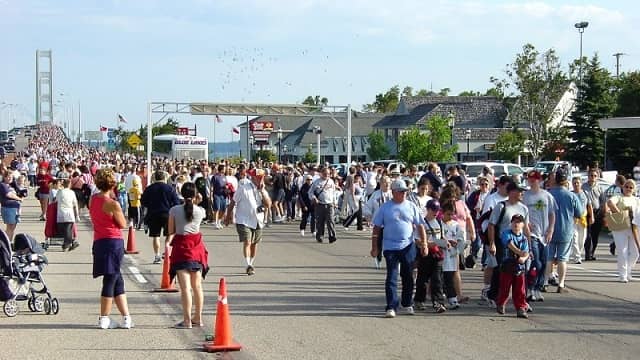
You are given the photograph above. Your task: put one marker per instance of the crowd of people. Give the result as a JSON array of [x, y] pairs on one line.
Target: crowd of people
[[426, 225]]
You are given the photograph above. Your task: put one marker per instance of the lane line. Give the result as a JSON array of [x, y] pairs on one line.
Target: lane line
[[137, 275], [131, 259], [593, 271]]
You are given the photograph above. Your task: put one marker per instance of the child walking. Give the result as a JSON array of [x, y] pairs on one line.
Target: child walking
[[453, 235], [513, 267]]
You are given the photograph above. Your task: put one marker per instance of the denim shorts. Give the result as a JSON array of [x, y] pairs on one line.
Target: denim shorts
[[559, 251], [219, 203], [10, 215]]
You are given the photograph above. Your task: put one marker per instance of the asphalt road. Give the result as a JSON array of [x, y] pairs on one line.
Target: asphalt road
[[316, 301]]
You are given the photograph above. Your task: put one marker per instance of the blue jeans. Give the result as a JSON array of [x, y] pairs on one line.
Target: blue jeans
[[539, 261], [476, 245], [405, 258]]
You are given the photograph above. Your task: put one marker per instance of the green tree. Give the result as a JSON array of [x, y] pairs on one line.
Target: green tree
[[623, 151], [470, 93], [539, 83], [264, 155], [595, 101], [315, 101], [377, 149], [407, 91], [509, 145], [444, 91], [309, 157], [384, 103], [425, 92], [430, 144]]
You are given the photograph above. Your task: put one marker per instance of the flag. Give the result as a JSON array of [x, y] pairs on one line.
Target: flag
[[218, 120], [103, 128], [122, 119], [236, 130]]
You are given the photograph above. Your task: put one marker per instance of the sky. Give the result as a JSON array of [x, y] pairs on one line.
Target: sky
[[113, 56]]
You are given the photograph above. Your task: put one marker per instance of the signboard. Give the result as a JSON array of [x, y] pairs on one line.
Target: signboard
[[490, 147], [90, 135], [182, 131], [261, 137], [261, 126], [111, 133], [134, 140]]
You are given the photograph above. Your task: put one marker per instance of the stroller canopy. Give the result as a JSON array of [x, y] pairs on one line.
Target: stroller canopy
[[26, 241]]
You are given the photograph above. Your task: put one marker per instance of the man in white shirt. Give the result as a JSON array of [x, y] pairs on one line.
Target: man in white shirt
[[322, 195], [250, 201]]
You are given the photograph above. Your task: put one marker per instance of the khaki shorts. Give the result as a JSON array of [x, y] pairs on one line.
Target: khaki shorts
[[248, 234]]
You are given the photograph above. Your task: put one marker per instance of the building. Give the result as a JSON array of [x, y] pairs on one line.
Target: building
[[291, 137]]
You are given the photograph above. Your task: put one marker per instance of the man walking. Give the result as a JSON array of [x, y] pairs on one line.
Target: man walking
[[322, 195], [400, 218], [594, 225], [158, 198], [250, 202]]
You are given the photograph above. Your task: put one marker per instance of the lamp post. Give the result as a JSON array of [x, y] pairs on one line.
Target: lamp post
[[581, 26], [284, 149], [279, 145], [318, 131], [250, 147], [468, 136], [452, 124]]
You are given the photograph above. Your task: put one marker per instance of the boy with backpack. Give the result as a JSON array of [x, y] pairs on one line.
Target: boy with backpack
[[430, 266], [512, 267]]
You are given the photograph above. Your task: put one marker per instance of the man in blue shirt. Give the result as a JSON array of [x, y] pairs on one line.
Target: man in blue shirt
[[399, 218], [568, 209]]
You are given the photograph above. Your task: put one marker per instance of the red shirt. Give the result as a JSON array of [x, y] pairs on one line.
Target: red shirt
[[189, 247], [43, 182], [104, 226]]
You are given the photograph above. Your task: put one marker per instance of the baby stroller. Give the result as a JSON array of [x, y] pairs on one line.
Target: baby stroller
[[23, 269], [51, 234]]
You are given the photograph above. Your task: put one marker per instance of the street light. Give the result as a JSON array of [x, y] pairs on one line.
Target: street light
[[279, 142], [468, 136], [284, 149], [581, 26], [318, 131], [250, 147]]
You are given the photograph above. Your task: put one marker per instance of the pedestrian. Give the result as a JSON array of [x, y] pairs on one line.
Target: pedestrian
[[134, 212], [611, 191], [158, 198], [594, 225], [67, 215], [568, 209], [372, 205], [355, 196], [43, 179], [626, 207], [322, 195], [219, 195], [304, 202], [580, 226], [542, 218], [250, 203], [453, 235], [399, 218], [10, 204], [516, 252], [108, 250], [189, 256]]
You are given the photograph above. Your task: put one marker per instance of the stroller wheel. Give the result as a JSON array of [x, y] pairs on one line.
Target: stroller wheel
[[47, 306], [55, 306], [38, 303], [11, 308]]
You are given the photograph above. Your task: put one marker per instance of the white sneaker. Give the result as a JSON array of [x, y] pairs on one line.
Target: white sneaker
[[407, 310], [127, 322], [105, 322], [302, 233], [539, 295], [533, 296], [157, 259], [390, 313]]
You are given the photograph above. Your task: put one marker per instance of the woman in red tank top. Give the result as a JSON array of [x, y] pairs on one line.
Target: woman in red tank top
[[108, 250]]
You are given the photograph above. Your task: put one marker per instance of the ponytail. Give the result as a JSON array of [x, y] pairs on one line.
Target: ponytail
[[188, 209], [188, 192]]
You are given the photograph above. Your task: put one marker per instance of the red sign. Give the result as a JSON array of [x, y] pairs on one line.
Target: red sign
[[182, 131], [261, 126]]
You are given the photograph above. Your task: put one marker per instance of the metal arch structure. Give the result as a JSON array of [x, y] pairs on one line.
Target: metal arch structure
[[242, 109], [632, 122]]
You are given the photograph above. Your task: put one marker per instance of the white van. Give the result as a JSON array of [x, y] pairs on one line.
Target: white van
[[474, 169]]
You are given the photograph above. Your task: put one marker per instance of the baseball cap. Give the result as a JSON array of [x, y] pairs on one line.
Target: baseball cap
[[433, 205], [399, 185], [534, 175], [513, 186], [561, 176], [517, 218], [505, 179]]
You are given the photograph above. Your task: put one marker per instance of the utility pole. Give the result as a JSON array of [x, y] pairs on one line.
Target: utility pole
[[618, 55]]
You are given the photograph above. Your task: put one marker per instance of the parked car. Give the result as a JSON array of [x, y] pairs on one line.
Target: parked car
[[390, 164], [474, 169], [551, 167]]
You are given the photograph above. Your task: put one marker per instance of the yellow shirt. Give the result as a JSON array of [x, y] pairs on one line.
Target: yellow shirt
[[134, 196]]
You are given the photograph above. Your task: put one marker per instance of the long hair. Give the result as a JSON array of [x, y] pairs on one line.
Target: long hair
[[188, 192]]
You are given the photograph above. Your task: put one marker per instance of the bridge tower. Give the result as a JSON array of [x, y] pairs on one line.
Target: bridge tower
[[44, 86]]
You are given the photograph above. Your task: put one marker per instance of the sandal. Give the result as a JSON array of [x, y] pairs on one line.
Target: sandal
[[182, 325]]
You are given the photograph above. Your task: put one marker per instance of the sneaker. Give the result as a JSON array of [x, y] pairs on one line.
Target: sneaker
[[522, 313], [74, 245], [454, 305], [250, 270], [302, 233], [157, 259], [420, 305], [491, 303], [346, 228], [562, 290], [390, 313], [500, 309], [439, 308], [623, 280], [407, 310], [578, 262], [127, 322], [483, 295], [553, 281], [532, 296], [105, 322], [529, 308], [544, 288], [332, 240], [539, 295]]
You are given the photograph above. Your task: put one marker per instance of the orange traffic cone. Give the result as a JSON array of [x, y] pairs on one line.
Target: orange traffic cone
[[131, 242], [166, 285], [223, 339]]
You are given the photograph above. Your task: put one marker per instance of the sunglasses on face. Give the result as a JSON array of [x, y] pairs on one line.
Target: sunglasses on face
[[629, 187]]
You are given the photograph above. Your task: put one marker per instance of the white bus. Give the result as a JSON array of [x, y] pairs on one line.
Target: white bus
[[4, 136], [179, 147]]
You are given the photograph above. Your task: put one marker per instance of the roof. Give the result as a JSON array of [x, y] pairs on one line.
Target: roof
[[469, 111]]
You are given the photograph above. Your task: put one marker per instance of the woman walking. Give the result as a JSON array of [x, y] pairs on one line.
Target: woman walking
[[626, 239], [108, 249], [188, 255]]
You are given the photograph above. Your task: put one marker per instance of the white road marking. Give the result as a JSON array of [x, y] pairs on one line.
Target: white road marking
[[136, 274], [593, 271], [131, 259]]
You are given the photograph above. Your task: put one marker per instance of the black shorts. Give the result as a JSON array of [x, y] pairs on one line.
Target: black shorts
[[157, 223]]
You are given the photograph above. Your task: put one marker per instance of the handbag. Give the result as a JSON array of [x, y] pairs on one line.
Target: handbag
[[619, 221]]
